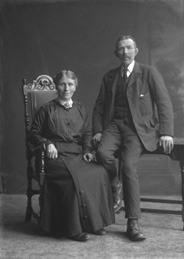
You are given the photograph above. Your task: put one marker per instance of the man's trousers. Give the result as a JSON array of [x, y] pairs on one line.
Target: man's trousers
[[123, 137]]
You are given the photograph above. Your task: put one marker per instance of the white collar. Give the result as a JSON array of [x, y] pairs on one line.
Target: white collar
[[63, 103], [129, 68]]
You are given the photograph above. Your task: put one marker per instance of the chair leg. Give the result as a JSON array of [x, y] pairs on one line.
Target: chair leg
[[28, 214], [29, 209], [29, 202]]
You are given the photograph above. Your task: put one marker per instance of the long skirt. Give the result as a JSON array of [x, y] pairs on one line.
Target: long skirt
[[76, 197]]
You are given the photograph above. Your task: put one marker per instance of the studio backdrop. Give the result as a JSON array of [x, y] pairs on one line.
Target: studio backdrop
[[45, 36]]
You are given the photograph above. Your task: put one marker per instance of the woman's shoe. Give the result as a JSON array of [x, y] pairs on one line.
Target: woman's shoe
[[82, 237], [100, 232]]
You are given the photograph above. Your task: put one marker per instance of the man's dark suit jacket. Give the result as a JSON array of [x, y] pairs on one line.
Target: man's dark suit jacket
[[148, 100]]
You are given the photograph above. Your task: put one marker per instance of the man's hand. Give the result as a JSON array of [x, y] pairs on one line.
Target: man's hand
[[88, 157], [52, 151], [167, 143], [96, 139]]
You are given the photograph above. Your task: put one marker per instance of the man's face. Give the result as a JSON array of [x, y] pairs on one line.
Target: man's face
[[66, 88], [126, 51]]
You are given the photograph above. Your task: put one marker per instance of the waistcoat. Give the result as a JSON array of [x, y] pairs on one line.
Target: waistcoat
[[122, 110]]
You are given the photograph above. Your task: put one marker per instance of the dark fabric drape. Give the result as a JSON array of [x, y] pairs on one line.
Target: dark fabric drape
[[43, 37]]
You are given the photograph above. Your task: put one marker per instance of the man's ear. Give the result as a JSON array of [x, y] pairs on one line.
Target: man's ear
[[136, 51]]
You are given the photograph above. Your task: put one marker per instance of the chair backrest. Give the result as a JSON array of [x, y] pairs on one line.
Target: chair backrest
[[41, 91]]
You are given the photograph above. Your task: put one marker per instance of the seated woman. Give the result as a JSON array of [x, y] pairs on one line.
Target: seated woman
[[77, 197]]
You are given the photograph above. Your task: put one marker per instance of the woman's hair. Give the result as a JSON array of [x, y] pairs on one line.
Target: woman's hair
[[69, 74], [125, 37]]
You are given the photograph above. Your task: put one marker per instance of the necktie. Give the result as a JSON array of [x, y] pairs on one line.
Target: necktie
[[125, 74]]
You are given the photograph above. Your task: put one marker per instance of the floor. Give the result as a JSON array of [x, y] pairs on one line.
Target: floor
[[21, 240]]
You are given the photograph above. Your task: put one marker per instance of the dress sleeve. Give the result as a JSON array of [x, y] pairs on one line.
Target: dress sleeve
[[37, 128]]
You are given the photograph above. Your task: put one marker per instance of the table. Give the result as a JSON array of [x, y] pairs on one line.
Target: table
[[178, 155]]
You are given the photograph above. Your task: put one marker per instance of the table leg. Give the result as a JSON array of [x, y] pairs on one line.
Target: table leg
[[182, 191], [181, 158]]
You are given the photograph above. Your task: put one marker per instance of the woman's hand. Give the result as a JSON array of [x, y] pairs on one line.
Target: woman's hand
[[88, 157], [52, 151]]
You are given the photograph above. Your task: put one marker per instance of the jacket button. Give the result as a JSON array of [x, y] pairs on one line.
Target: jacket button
[[81, 191]]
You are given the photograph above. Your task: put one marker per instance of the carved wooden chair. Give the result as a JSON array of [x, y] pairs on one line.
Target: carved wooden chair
[[35, 94]]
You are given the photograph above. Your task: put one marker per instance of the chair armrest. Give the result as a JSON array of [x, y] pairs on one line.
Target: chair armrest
[[33, 148]]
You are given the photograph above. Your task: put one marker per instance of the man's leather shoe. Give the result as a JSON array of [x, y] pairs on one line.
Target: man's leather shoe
[[100, 232], [82, 237], [117, 193], [133, 231]]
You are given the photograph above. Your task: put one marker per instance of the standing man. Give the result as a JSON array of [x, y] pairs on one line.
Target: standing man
[[125, 119]]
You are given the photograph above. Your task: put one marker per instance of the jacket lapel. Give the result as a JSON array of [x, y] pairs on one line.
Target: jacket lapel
[[113, 77], [135, 74], [112, 81]]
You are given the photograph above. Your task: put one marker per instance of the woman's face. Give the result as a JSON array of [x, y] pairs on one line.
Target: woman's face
[[66, 88]]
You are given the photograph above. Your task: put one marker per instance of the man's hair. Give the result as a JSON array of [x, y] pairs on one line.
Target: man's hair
[[69, 74], [125, 37]]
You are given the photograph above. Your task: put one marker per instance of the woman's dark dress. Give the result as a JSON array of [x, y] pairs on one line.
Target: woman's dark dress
[[77, 195]]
